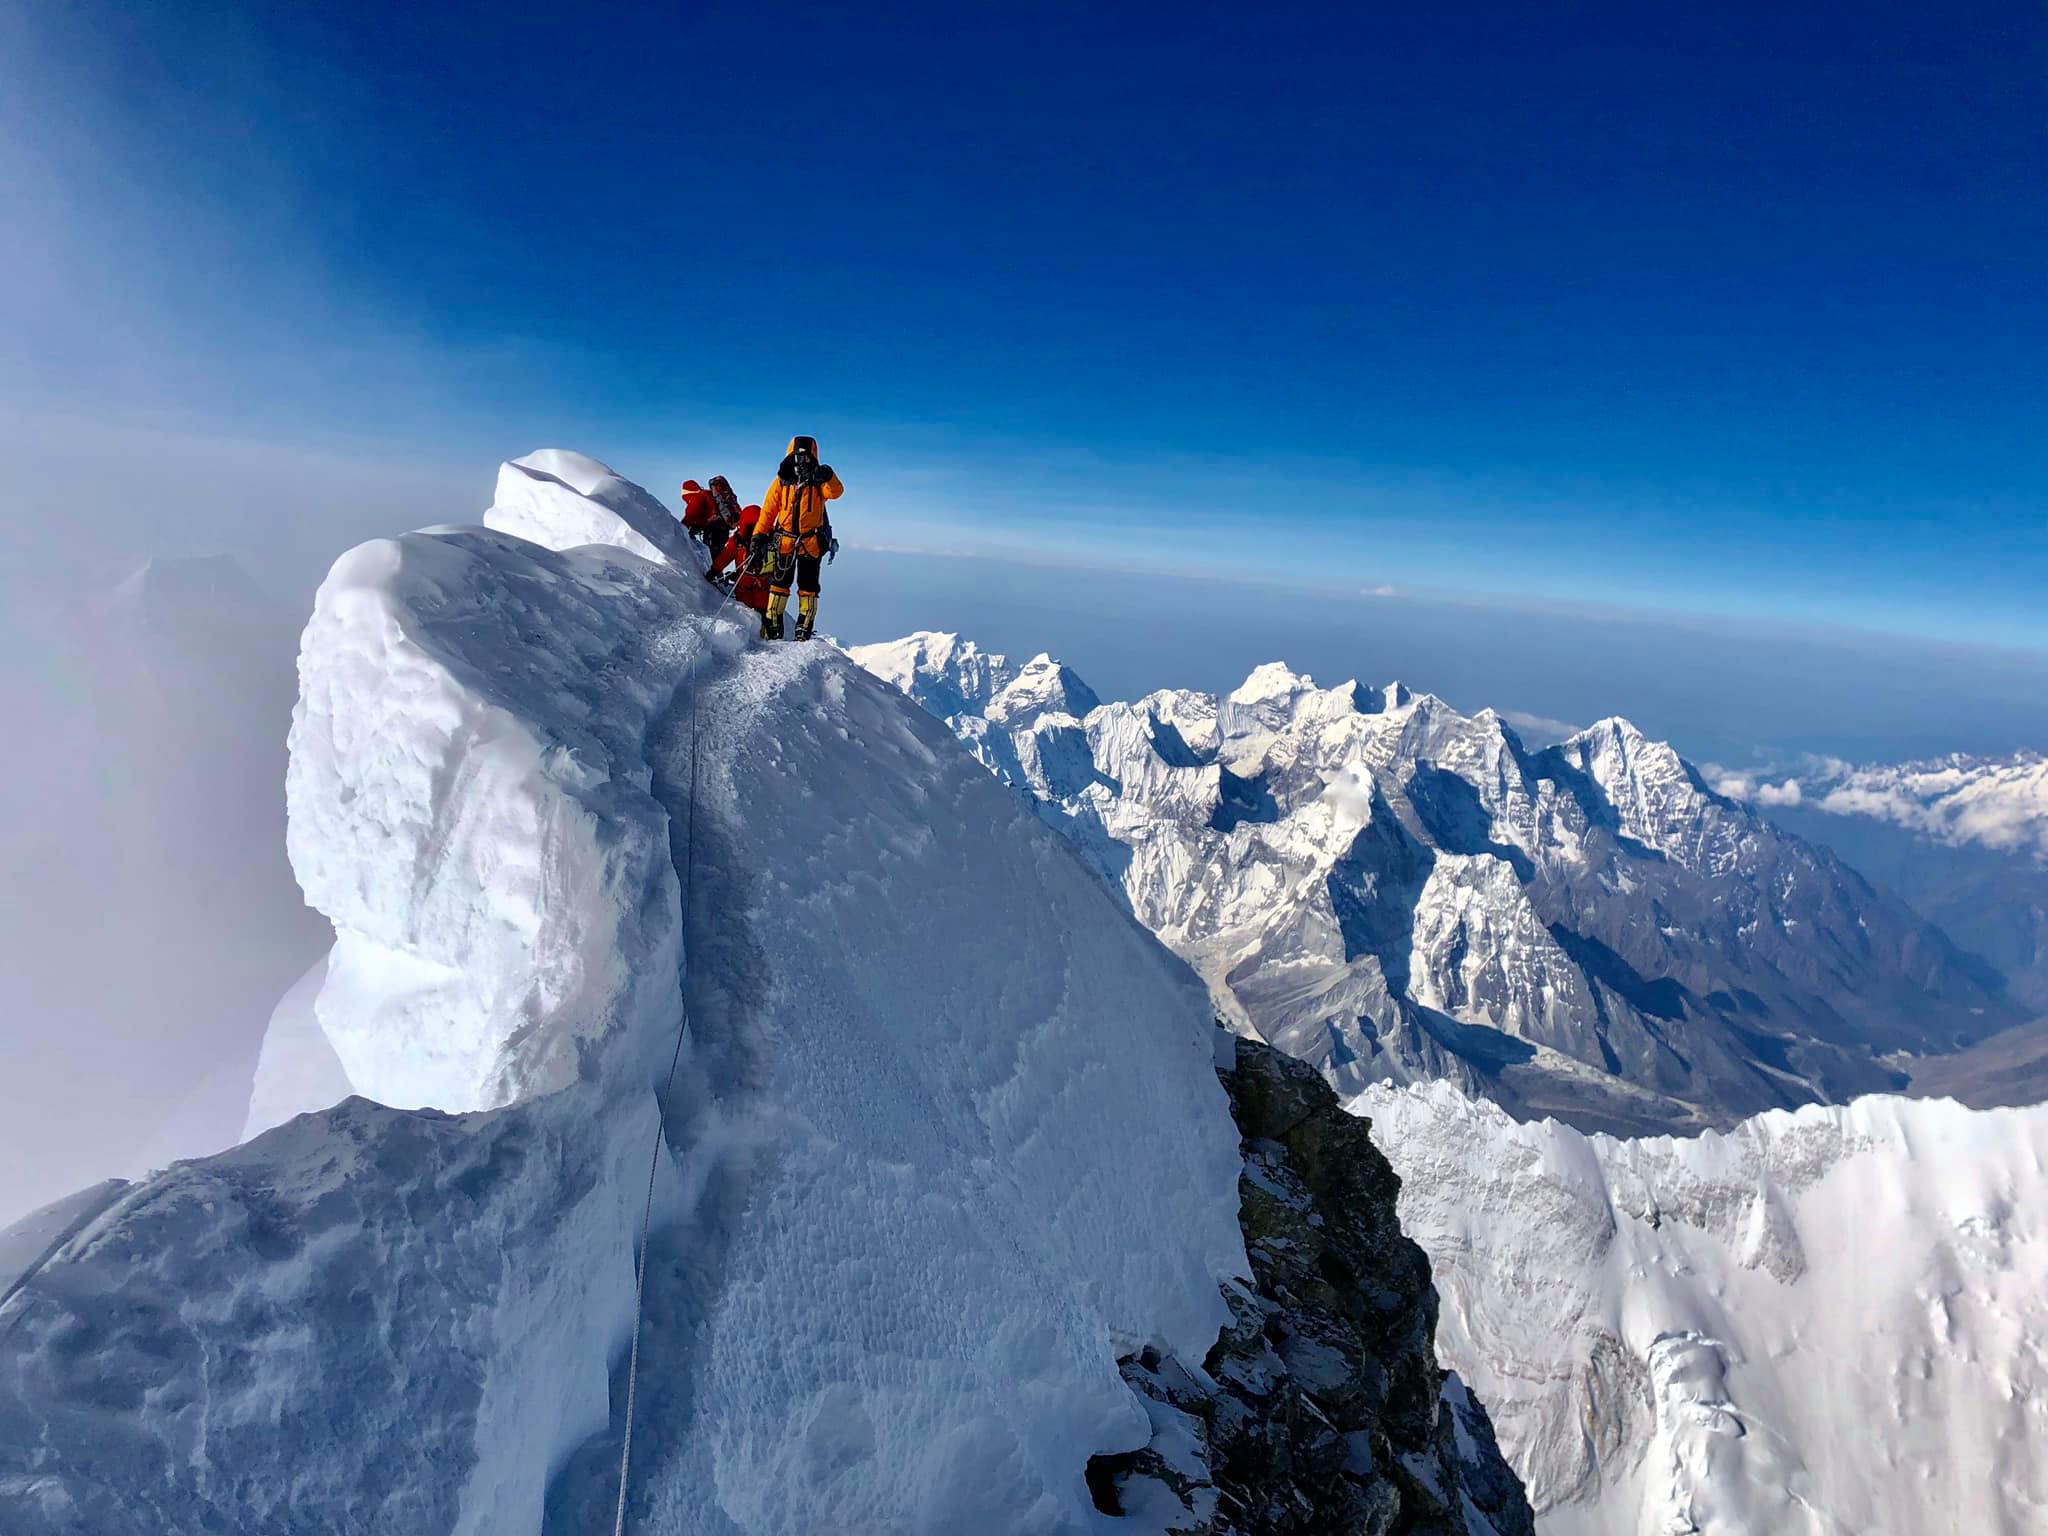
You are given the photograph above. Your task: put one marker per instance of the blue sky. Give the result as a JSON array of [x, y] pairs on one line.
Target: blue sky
[[1734, 311]]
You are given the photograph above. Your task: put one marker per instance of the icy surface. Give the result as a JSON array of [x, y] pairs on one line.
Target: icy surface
[[564, 501], [1390, 889], [946, 1139], [30, 1241], [1824, 1321], [297, 1069], [470, 805]]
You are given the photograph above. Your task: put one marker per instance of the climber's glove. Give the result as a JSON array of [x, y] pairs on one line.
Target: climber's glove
[[831, 551]]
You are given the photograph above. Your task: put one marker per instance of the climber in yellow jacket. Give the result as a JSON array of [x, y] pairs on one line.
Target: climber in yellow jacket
[[793, 538]]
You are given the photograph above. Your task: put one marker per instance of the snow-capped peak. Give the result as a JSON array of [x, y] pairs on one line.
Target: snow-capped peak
[[1501, 896], [948, 675], [1656, 796], [1272, 680], [1043, 686]]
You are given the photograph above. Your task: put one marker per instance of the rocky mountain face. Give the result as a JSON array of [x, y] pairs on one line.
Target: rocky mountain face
[[1321, 1408], [1394, 891], [1962, 839], [1991, 901]]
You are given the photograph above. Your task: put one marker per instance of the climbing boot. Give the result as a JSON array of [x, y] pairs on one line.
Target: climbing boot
[[771, 626], [806, 614]]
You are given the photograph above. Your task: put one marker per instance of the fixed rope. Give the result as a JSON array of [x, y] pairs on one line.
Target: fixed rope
[[675, 1058]]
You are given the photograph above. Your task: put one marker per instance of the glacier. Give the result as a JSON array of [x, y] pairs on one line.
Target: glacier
[[1396, 891], [1827, 1320], [946, 1142]]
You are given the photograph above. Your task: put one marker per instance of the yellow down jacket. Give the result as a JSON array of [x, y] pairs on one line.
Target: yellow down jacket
[[795, 512]]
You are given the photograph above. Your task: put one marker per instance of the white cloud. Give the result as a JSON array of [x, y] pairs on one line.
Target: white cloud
[[1787, 793], [1999, 803], [1384, 589], [1748, 788], [1539, 728]]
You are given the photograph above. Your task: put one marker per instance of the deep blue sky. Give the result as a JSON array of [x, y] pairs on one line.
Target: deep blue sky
[[1737, 310]]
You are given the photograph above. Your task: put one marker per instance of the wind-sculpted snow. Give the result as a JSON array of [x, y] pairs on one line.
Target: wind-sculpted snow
[[945, 1143], [1392, 890], [565, 501], [1823, 1321], [471, 805]]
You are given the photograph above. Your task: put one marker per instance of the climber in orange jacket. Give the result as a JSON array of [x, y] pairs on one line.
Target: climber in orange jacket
[[793, 539]]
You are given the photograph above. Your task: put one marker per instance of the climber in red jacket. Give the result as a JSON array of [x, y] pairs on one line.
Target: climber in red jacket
[[701, 518], [751, 588]]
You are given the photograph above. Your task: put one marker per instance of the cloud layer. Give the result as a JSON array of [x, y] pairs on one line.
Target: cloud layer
[[1999, 803]]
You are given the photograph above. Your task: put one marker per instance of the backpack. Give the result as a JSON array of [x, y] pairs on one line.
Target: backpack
[[727, 503]]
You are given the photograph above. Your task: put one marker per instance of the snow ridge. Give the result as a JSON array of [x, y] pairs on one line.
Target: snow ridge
[[920, 1190], [1393, 890]]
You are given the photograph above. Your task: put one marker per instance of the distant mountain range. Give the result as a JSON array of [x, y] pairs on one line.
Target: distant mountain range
[[1963, 839], [1999, 803], [1395, 891]]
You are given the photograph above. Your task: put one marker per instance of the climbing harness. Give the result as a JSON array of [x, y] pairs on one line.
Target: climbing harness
[[661, 1104]]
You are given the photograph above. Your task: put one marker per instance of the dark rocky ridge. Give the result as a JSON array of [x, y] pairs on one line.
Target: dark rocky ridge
[[1321, 1408]]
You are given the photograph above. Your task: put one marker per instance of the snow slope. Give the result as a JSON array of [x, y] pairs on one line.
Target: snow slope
[[946, 1139], [1828, 1321], [1390, 889]]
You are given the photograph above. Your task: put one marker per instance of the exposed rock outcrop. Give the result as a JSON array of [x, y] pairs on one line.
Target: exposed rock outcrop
[[1321, 1407]]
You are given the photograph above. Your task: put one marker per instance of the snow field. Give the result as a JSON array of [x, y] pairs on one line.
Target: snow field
[[1823, 1321]]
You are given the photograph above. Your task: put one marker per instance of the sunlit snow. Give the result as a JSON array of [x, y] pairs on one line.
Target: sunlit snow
[[946, 1139]]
